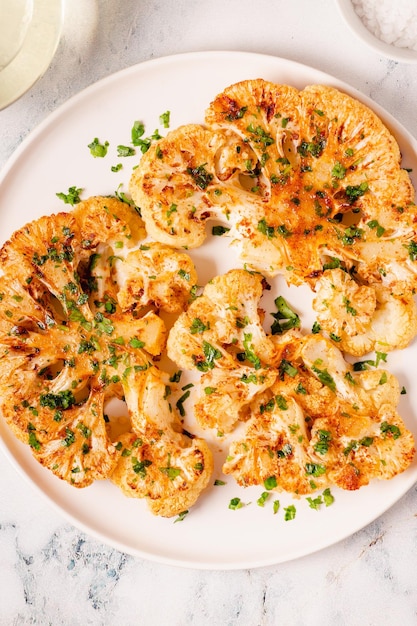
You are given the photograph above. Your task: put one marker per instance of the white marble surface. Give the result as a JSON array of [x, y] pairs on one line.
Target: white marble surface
[[50, 572]]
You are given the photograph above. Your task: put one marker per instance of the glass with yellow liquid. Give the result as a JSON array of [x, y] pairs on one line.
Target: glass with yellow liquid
[[29, 35]]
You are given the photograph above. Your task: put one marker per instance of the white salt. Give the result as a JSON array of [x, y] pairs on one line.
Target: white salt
[[392, 21]]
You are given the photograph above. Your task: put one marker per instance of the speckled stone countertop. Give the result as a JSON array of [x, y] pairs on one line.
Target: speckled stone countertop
[[51, 572]]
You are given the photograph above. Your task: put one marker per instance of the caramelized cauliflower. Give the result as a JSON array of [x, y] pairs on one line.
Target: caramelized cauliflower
[[60, 348], [155, 275], [67, 347], [223, 328], [157, 460], [322, 424], [362, 318], [293, 173], [226, 395]]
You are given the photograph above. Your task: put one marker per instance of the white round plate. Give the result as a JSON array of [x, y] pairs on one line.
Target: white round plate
[[55, 157]]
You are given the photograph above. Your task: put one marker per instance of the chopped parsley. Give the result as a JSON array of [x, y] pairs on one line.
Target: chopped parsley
[[285, 318], [316, 328], [249, 351], [176, 377], [69, 437], [136, 343], [164, 119], [211, 355], [390, 429], [171, 472], [181, 516], [349, 309], [263, 498], [198, 326], [325, 498], [138, 129], [180, 402], [332, 264], [98, 149], [200, 176], [125, 151], [324, 439], [328, 498], [235, 503], [315, 469], [270, 483], [183, 274], [312, 148], [338, 171], [290, 512], [285, 367], [72, 197], [353, 192], [32, 439], [412, 250], [60, 400], [137, 132], [259, 135], [234, 113], [314, 503], [350, 234], [265, 229], [139, 467], [218, 231], [374, 224], [324, 377]]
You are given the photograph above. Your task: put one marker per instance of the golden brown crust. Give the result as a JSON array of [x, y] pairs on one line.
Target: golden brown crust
[[297, 175], [156, 460], [67, 347], [323, 424]]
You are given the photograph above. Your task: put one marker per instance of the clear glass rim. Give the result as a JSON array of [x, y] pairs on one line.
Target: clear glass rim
[[36, 53]]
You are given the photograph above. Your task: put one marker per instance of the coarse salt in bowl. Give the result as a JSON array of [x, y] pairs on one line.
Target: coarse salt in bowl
[[387, 26]]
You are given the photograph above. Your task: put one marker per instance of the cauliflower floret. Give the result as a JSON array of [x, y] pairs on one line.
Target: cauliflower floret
[[172, 182], [227, 395], [79, 451], [48, 249], [157, 461], [155, 275], [362, 318], [392, 262], [356, 447], [274, 450], [320, 424], [105, 218], [364, 438], [222, 328]]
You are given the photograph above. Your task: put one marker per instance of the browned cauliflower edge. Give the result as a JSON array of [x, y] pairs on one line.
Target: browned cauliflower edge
[[72, 339]]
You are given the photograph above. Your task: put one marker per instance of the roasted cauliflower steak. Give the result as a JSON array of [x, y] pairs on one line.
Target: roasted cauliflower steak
[[77, 331]]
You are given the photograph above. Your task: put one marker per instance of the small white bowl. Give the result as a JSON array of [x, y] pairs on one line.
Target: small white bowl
[[352, 19]]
